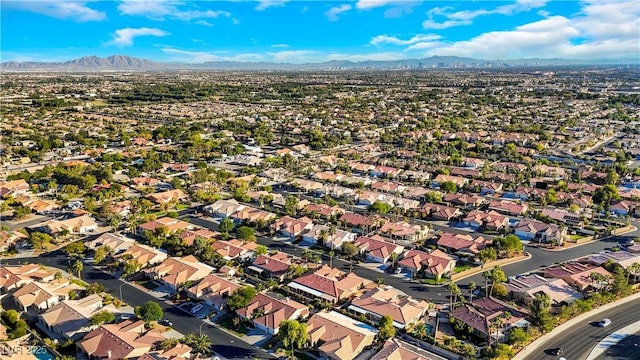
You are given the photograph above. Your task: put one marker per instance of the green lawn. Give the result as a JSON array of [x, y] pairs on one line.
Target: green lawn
[[147, 284], [182, 207], [433, 281], [227, 322], [461, 268], [575, 237]]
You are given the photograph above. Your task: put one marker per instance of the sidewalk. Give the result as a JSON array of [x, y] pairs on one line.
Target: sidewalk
[[535, 345]]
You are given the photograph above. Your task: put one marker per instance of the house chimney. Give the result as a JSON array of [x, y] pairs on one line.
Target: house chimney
[[108, 354], [266, 261], [287, 299]]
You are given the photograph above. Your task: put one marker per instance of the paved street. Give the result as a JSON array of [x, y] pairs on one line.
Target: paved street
[[577, 341], [224, 344]]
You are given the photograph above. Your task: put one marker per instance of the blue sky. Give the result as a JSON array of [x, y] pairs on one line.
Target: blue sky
[[310, 31]]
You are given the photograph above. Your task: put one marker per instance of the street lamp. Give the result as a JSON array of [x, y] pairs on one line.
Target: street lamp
[[200, 327]]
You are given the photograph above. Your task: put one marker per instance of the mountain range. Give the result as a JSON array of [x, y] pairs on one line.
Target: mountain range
[[129, 63]]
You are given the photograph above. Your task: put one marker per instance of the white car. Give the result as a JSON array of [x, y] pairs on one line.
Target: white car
[[604, 322]]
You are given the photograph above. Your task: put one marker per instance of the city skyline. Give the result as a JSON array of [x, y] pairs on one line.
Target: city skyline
[[316, 31]]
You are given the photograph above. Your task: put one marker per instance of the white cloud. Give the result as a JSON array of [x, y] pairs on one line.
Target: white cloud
[[466, 17], [159, 9], [599, 31], [125, 37], [334, 13], [280, 45], [74, 10], [265, 4], [195, 57], [204, 23], [370, 4], [386, 39]]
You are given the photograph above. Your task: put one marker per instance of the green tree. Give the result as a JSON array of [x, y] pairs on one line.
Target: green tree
[[241, 297], [149, 311], [101, 253], [496, 276], [102, 317], [379, 207], [350, 249], [261, 250], [20, 211], [510, 244], [293, 334], [75, 248], [40, 240], [620, 284], [226, 225], [540, 312], [486, 255], [76, 268], [518, 336], [449, 187], [472, 288], [386, 328], [291, 205], [455, 292], [246, 233]]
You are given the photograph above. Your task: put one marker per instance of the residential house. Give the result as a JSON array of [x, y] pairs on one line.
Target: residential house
[[435, 264], [306, 186], [234, 249], [367, 197], [484, 314], [528, 229], [125, 340], [625, 207], [145, 181], [42, 296], [360, 223], [189, 236], [213, 290], [404, 231], [71, 319], [563, 216], [177, 352], [508, 207], [116, 243], [37, 205], [144, 255], [486, 187], [525, 288], [463, 244], [14, 187], [377, 250], [175, 271], [338, 337], [473, 163], [171, 225], [328, 176], [622, 258], [323, 211], [394, 349], [577, 274], [440, 178], [274, 266], [384, 171], [223, 208], [378, 302], [11, 238], [251, 215], [329, 284], [403, 203], [13, 277], [465, 201], [387, 187], [488, 220], [440, 212], [292, 227], [167, 196], [75, 225], [267, 311]]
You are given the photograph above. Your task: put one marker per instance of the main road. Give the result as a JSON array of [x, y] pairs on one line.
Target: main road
[[224, 343], [578, 341]]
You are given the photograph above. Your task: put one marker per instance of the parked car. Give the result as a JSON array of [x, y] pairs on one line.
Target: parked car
[[558, 351], [604, 322], [165, 322]]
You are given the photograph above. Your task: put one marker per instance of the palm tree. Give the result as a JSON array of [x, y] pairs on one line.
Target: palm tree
[[634, 269], [455, 292], [76, 267], [472, 288], [200, 344]]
